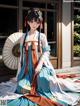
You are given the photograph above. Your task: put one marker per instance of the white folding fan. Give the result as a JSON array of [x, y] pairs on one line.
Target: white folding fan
[[10, 50]]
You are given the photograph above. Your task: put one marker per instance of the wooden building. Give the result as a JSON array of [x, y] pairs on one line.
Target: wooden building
[[58, 25]]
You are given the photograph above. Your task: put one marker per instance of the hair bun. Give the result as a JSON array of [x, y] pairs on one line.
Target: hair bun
[[37, 12]]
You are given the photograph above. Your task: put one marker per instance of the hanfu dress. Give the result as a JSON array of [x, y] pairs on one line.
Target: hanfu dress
[[27, 75], [44, 88]]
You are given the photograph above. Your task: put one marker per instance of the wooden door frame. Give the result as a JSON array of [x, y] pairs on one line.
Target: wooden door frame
[[59, 34]]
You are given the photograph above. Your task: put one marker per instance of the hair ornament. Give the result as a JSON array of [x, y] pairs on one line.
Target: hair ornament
[[39, 13], [25, 21]]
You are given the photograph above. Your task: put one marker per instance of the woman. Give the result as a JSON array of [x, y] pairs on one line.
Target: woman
[[33, 72], [36, 79]]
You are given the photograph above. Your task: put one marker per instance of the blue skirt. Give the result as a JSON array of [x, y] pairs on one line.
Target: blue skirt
[[42, 89]]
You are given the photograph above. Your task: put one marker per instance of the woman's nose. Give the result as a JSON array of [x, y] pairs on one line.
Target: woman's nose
[[34, 23]]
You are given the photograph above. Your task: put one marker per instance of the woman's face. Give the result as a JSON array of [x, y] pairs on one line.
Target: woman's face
[[33, 25]]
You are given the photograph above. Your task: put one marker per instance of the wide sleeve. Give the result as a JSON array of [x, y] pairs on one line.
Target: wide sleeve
[[45, 51], [45, 47]]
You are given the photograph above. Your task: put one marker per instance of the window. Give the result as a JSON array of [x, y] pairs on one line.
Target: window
[[9, 2], [76, 35], [33, 4], [51, 32], [8, 24]]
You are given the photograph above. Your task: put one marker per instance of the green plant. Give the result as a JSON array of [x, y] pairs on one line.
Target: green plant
[[76, 50], [77, 28], [77, 19], [76, 38], [76, 35]]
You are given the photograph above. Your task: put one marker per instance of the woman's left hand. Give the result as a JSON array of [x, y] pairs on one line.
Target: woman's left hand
[[37, 70], [39, 66]]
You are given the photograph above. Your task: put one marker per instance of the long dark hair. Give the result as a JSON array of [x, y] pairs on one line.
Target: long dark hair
[[32, 14]]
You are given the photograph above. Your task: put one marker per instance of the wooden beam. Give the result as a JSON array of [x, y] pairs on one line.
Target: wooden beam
[[8, 6]]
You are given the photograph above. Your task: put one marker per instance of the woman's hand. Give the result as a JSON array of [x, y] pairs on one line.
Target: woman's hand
[[37, 70], [39, 66]]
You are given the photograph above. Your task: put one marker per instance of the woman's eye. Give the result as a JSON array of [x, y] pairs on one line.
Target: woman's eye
[[31, 21]]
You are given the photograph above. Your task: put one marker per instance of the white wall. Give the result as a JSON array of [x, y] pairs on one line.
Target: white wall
[[66, 35]]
